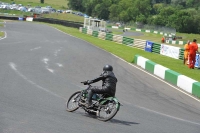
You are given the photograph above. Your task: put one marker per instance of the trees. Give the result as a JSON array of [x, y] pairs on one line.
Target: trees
[[41, 1], [170, 13]]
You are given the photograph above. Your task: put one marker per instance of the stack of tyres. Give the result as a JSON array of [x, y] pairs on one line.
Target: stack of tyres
[[181, 54], [84, 30], [109, 37], [156, 48], [95, 33], [127, 41]]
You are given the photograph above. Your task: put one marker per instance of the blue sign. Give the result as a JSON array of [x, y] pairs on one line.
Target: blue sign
[[21, 18], [197, 62], [148, 46]]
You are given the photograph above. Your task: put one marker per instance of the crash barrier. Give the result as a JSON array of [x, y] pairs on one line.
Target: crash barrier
[[60, 22], [95, 33], [9, 17], [128, 41], [187, 84], [163, 49], [47, 20], [84, 30], [102, 35], [89, 32], [138, 43], [109, 37], [118, 39], [181, 55], [156, 48]]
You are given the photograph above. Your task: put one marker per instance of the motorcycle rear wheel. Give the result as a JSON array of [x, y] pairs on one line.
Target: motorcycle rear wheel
[[107, 111], [72, 103]]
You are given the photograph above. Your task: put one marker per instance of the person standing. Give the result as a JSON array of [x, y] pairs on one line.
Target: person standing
[[193, 48], [186, 53], [163, 39]]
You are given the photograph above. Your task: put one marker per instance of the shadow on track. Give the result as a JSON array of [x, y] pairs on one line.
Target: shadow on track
[[127, 123]]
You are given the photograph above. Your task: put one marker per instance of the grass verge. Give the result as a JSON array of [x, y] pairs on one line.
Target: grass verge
[[1, 34]]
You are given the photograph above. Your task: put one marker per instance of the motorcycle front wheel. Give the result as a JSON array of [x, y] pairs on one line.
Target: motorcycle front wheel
[[107, 111], [72, 103]]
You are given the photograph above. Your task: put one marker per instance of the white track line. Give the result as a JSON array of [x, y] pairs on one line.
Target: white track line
[[14, 67], [4, 36]]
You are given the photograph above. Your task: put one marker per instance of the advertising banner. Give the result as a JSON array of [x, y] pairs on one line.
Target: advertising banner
[[197, 63], [170, 51], [148, 46], [29, 19], [21, 18]]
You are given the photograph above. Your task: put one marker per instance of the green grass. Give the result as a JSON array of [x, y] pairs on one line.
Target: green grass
[[1, 34], [128, 53], [1, 25], [57, 4]]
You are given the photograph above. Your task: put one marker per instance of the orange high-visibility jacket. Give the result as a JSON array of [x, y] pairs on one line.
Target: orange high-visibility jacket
[[186, 52], [193, 47]]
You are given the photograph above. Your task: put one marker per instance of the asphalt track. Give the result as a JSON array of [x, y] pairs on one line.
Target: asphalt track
[[41, 67]]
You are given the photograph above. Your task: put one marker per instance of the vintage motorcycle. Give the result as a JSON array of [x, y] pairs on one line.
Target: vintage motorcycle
[[104, 106]]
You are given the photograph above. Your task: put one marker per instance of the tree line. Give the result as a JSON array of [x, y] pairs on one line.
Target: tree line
[[183, 15]]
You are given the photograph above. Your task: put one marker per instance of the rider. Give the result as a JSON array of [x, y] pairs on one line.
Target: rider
[[109, 82]]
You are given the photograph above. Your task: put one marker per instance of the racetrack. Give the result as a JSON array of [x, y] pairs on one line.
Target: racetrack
[[41, 67]]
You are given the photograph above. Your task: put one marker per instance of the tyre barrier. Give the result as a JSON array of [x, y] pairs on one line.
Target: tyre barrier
[[137, 43], [156, 48], [84, 30], [102, 35], [95, 33], [118, 39], [89, 32], [128, 41], [109, 37], [181, 55]]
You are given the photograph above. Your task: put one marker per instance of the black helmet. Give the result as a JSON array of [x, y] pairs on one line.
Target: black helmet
[[107, 68]]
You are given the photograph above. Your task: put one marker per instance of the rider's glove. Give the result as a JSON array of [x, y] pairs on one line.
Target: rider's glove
[[85, 83]]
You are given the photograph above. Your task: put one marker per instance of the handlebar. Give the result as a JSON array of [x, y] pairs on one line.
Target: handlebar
[[85, 82]]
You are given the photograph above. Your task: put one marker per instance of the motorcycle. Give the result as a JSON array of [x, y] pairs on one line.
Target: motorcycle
[[105, 107]]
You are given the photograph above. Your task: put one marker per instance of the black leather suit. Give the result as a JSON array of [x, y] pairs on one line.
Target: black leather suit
[[109, 82]]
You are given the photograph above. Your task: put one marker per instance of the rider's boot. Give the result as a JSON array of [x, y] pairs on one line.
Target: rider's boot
[[87, 104]]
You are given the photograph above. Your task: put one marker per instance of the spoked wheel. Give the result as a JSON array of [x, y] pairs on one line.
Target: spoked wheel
[[72, 103], [108, 111]]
